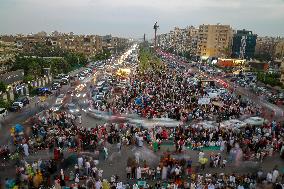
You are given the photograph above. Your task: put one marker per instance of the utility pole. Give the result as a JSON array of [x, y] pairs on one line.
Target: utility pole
[[155, 28]]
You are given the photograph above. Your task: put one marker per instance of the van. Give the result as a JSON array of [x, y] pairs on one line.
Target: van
[[3, 113]]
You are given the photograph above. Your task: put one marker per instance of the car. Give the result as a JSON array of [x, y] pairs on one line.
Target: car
[[81, 78], [14, 108], [60, 99], [64, 81], [56, 107], [66, 76], [20, 104], [25, 100], [73, 108], [99, 96], [57, 84], [3, 113], [43, 91], [54, 87]]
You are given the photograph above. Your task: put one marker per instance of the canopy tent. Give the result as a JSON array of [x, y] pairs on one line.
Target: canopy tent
[[218, 103]]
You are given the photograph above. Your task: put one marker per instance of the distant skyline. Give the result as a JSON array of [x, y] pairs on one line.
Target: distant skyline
[[133, 18]]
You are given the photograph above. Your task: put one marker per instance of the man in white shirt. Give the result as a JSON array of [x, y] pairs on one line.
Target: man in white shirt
[[87, 166], [80, 162], [200, 155], [275, 175], [177, 171], [269, 177]]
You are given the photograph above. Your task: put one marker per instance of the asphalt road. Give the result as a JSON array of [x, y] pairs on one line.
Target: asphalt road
[[26, 112]]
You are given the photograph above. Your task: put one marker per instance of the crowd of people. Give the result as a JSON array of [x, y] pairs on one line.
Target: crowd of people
[[175, 93], [61, 132], [165, 93]]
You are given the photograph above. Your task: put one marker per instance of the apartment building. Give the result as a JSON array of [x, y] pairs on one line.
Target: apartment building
[[180, 39], [282, 71], [214, 40], [279, 49], [244, 43], [266, 45]]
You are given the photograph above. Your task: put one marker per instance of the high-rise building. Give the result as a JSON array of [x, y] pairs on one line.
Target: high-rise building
[[180, 40], [265, 46], [244, 43], [214, 40], [279, 49], [282, 72]]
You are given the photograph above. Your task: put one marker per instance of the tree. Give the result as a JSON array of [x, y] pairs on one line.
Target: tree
[[3, 87]]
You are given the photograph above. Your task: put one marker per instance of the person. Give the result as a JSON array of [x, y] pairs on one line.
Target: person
[[98, 184], [88, 167], [135, 186], [26, 149], [106, 152], [269, 177], [275, 175], [158, 172], [128, 172], [137, 157], [80, 118], [138, 173], [164, 173], [80, 162], [77, 180], [119, 146], [200, 155]]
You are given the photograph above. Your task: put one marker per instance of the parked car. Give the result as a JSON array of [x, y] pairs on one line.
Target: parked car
[[54, 87], [64, 81], [60, 99], [16, 106], [25, 100], [3, 113], [56, 107], [43, 91]]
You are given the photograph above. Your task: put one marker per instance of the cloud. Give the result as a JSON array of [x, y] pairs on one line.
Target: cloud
[[135, 17]]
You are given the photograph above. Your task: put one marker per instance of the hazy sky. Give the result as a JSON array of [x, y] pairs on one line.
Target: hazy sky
[[133, 18]]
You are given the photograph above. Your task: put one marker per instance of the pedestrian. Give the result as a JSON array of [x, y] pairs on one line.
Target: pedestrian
[[118, 145], [80, 119], [128, 172], [26, 149]]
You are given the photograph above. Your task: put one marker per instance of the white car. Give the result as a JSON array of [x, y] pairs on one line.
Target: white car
[[59, 99], [20, 104], [3, 113], [56, 107], [81, 78]]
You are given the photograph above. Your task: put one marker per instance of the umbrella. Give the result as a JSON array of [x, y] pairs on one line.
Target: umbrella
[[19, 128], [203, 160], [138, 101]]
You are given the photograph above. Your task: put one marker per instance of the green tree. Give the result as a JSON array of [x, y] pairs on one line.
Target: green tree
[[3, 87]]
